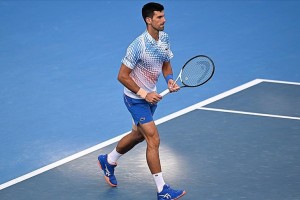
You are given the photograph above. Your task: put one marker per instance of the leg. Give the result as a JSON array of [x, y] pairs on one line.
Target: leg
[[150, 133], [108, 162], [129, 141], [151, 136]]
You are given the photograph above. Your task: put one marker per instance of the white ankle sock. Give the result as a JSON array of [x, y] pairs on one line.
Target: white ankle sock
[[113, 156], [159, 180]]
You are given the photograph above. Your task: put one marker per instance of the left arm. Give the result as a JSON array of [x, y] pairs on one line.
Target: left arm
[[167, 70]]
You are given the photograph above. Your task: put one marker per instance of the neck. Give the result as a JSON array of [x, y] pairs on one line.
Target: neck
[[153, 32]]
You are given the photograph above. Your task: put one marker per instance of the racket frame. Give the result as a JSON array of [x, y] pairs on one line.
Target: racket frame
[[167, 91]]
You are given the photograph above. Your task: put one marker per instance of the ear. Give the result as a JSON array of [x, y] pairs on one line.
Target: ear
[[148, 20]]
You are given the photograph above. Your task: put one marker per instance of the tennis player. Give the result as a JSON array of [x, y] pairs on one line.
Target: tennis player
[[146, 58]]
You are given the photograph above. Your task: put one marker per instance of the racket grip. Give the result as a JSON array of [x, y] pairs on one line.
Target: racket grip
[[167, 91]]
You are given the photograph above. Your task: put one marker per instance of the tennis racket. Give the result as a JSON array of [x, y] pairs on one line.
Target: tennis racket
[[195, 72]]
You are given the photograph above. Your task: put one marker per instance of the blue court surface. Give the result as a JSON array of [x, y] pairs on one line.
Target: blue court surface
[[235, 145], [236, 137]]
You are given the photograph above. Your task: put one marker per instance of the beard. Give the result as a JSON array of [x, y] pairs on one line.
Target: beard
[[159, 28]]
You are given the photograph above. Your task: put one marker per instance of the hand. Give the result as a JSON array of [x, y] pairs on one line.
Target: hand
[[172, 85], [153, 97]]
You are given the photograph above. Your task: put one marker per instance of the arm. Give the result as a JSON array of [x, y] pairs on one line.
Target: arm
[[126, 80], [129, 83], [167, 70]]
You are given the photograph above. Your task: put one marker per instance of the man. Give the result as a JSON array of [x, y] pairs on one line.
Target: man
[[146, 58]]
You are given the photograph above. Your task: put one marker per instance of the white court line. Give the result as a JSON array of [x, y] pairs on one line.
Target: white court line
[[240, 88], [113, 140], [116, 139], [61, 162], [250, 113], [282, 82], [208, 101]]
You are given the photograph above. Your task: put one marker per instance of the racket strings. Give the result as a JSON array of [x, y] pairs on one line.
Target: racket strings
[[197, 71]]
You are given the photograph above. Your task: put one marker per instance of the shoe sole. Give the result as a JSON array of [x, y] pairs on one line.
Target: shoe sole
[[106, 178], [183, 193]]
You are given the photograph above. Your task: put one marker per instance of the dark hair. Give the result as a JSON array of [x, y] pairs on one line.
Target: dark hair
[[149, 8]]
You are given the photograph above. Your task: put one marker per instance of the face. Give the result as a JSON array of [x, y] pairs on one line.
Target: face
[[158, 20]]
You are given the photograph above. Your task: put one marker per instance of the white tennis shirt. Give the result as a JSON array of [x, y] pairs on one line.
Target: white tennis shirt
[[145, 56]]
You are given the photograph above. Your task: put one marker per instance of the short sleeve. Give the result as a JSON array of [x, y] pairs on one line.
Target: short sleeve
[[169, 54], [132, 55]]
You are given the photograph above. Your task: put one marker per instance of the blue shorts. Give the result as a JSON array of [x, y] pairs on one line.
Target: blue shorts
[[141, 111]]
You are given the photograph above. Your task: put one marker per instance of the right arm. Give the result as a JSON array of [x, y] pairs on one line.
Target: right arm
[[127, 81]]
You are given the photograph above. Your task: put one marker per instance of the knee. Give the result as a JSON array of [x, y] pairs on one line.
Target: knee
[[154, 141]]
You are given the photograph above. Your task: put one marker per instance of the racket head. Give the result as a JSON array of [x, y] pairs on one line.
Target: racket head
[[197, 71]]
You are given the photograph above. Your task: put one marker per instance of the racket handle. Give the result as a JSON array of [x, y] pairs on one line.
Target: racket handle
[[167, 91]]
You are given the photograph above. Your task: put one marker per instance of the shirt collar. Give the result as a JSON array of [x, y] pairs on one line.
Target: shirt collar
[[151, 39]]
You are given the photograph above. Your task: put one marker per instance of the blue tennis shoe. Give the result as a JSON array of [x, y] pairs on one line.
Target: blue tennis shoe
[[108, 170], [169, 193]]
